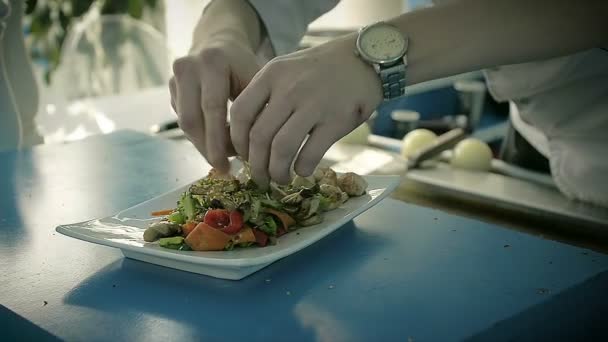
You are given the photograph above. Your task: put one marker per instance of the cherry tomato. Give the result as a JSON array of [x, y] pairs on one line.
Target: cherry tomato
[[260, 237], [229, 222]]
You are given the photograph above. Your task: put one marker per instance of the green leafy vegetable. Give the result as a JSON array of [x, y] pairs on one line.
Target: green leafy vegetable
[[177, 217], [269, 227], [324, 202], [271, 203], [229, 246], [174, 242], [187, 206], [255, 209]]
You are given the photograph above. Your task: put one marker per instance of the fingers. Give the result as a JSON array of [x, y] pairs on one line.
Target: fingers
[[215, 90], [320, 140], [243, 113], [188, 102], [286, 144], [261, 137]]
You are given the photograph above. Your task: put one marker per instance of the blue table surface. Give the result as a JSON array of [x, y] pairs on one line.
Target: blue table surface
[[398, 272]]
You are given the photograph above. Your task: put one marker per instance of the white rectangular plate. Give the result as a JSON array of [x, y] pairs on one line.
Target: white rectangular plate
[[125, 231]]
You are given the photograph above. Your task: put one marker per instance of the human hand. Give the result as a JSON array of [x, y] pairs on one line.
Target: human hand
[[325, 91], [202, 83]]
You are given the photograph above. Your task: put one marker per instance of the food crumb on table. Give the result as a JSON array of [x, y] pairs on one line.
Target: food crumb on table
[[288, 293], [268, 280], [331, 287], [542, 291], [45, 303], [507, 246]]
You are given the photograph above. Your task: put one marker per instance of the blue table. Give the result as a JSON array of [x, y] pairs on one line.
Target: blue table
[[398, 272]]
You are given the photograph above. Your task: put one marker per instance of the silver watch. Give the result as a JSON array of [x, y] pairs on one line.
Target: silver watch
[[384, 47]]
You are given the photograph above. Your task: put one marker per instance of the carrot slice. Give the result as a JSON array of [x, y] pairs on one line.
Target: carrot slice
[[207, 238], [188, 227], [285, 219], [162, 212]]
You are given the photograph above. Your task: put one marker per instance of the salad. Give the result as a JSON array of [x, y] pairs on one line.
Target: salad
[[223, 212]]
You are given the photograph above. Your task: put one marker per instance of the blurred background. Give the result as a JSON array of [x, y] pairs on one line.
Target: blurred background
[[104, 65]]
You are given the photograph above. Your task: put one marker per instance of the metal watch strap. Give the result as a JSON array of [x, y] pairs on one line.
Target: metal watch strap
[[393, 80]]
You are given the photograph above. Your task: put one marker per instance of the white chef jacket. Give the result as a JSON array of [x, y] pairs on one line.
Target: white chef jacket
[[560, 105]]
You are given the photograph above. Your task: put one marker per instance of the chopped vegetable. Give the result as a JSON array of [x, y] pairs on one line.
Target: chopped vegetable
[[207, 238], [188, 206], [164, 212], [260, 237], [256, 206], [286, 220], [221, 212], [176, 217], [174, 242], [188, 227], [230, 222], [246, 235], [161, 230], [269, 227]]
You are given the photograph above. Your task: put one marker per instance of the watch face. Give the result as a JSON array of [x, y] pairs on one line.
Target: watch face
[[381, 43]]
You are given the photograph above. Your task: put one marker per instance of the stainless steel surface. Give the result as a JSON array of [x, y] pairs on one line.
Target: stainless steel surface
[[511, 193]]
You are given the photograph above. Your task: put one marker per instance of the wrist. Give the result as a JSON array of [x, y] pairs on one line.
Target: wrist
[[221, 37], [233, 21]]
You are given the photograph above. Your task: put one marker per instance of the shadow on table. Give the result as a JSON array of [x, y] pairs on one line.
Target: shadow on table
[[271, 294], [576, 314], [17, 328], [16, 167]]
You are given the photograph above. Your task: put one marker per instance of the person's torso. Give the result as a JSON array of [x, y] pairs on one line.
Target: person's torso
[[561, 106]]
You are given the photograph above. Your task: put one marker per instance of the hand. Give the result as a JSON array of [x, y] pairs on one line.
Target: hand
[[200, 89], [324, 92]]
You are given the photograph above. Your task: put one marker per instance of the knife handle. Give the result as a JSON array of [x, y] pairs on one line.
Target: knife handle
[[443, 142]]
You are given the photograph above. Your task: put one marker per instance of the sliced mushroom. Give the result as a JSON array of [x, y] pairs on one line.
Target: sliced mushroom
[[329, 177], [352, 184], [335, 196], [318, 174], [334, 193], [161, 230]]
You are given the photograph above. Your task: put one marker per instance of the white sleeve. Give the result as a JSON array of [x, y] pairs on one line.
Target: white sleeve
[[286, 21]]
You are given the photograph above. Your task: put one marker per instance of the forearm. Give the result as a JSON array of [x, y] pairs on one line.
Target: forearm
[[228, 19], [467, 35]]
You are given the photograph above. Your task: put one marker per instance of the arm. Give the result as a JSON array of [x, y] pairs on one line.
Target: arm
[[222, 61], [321, 94], [228, 19], [469, 35]]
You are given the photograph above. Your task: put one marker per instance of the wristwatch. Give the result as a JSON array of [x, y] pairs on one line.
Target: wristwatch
[[384, 47]]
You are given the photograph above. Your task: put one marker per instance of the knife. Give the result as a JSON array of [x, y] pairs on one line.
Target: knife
[[444, 142]]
